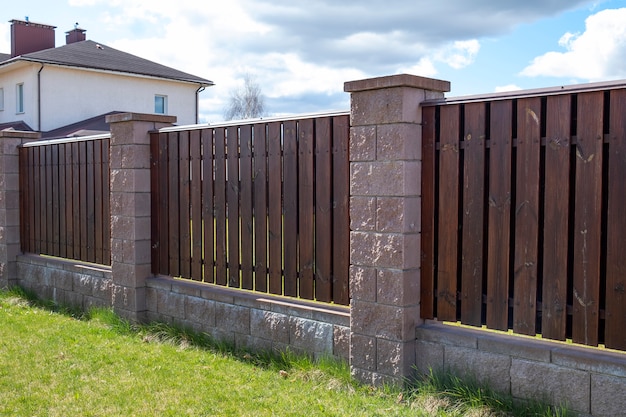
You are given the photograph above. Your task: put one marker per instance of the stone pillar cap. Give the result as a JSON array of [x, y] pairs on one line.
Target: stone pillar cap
[[140, 117], [399, 80]]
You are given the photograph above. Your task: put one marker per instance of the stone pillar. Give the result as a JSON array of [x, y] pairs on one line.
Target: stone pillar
[[130, 209], [385, 189], [10, 203]]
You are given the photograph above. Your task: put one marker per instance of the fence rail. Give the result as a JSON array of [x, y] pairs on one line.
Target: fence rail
[[64, 199], [523, 217], [260, 206]]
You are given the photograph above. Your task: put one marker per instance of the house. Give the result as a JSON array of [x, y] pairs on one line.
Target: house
[[68, 90]]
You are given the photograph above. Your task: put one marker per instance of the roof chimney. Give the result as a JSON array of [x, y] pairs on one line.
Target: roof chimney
[[75, 35], [27, 37]]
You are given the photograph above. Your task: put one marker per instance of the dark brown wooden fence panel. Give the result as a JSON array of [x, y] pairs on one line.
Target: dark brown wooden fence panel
[[157, 194], [323, 209], [427, 270], [587, 222], [64, 199], [341, 210], [306, 194], [247, 220], [556, 217], [473, 212], [616, 230], [274, 205], [290, 207], [499, 213], [448, 218], [260, 208]]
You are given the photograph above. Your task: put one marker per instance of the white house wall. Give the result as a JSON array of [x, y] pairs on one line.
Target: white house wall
[[70, 95]]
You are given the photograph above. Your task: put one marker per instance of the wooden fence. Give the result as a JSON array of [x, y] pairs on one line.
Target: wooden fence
[[64, 199], [260, 206], [524, 219]]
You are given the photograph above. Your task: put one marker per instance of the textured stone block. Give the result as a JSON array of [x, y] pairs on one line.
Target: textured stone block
[[401, 141], [252, 343], [198, 310], [592, 360], [363, 214], [363, 352], [363, 283], [386, 178], [398, 287], [135, 156], [390, 105], [311, 336], [395, 359], [398, 214], [130, 275], [269, 325], [488, 368], [171, 304], [608, 396], [128, 300], [383, 321], [131, 204], [363, 143], [130, 180], [553, 384], [232, 318], [341, 342], [385, 250], [428, 356]]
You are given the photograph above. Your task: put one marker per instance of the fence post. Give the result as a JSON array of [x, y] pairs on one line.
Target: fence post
[[130, 208], [385, 189], [9, 202]]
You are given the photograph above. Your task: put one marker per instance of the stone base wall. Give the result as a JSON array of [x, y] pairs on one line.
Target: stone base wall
[[588, 381], [251, 320], [66, 282]]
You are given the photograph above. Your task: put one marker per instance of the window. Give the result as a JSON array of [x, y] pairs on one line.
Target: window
[[1, 99], [160, 104], [19, 105]]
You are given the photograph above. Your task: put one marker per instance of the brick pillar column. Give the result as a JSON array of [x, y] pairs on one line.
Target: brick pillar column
[[130, 208], [385, 189], [9, 203]]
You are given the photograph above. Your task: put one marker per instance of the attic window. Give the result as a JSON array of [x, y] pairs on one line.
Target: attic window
[[160, 104]]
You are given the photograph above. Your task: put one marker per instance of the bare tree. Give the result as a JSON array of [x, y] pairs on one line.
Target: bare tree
[[246, 102]]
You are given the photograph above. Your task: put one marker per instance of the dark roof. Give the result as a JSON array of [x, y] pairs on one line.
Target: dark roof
[[89, 54], [91, 126], [18, 125]]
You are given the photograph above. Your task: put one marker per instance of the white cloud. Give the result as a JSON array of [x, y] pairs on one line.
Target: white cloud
[[459, 54], [508, 87], [599, 53]]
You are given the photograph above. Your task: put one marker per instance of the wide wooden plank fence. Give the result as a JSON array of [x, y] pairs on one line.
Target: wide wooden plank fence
[[523, 219], [65, 199], [260, 206]]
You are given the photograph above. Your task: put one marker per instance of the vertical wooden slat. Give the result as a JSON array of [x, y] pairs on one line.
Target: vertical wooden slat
[[32, 197], [427, 269], [76, 202], [556, 209], [54, 165], [448, 221], [473, 210], [48, 207], [173, 206], [247, 224], [184, 204], [275, 207], [527, 215], [260, 208], [290, 207], [41, 190], [615, 336], [232, 211], [306, 189], [323, 209], [208, 219], [69, 199], [106, 202], [163, 204], [98, 201], [90, 200], [84, 201], [196, 205], [221, 276], [341, 210], [587, 222], [499, 200], [62, 200], [155, 208], [24, 175]]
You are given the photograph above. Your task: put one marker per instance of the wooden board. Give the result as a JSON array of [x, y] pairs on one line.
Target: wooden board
[[184, 195], [615, 336], [260, 207], [195, 154], [306, 188], [323, 210], [208, 220], [448, 221], [290, 207], [247, 222], [526, 215], [174, 201], [556, 213], [427, 247], [341, 210], [274, 140], [163, 205], [219, 208], [587, 222], [499, 215], [473, 214]]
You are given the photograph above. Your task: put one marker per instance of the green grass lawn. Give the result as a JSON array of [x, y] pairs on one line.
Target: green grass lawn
[[95, 364]]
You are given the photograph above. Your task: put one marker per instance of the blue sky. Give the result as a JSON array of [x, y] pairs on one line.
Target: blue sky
[[302, 51]]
